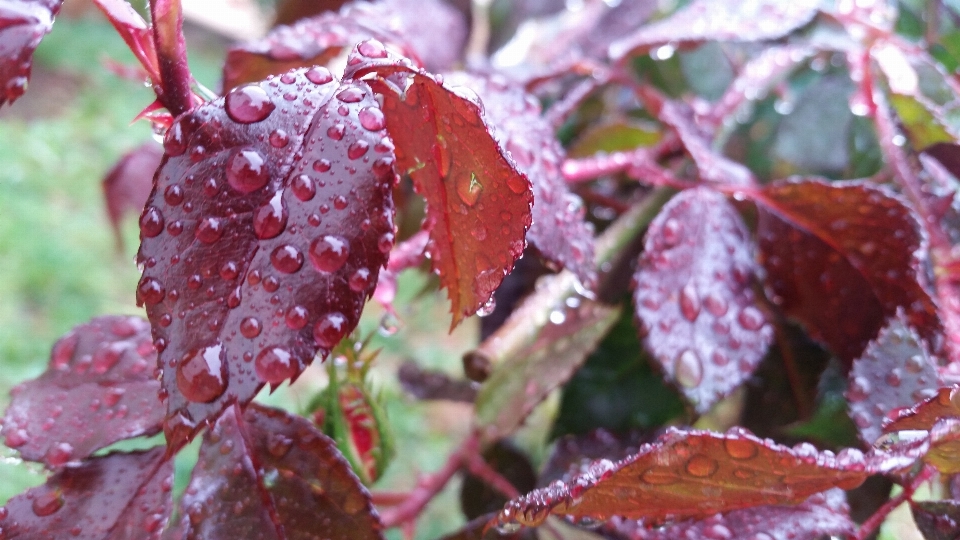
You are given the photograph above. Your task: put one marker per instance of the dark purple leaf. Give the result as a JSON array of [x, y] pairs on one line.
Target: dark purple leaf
[[694, 298], [111, 497], [712, 166], [128, 184], [693, 475], [823, 514], [894, 371], [99, 389], [937, 520], [842, 257], [268, 474], [559, 231], [719, 20], [23, 23], [263, 237]]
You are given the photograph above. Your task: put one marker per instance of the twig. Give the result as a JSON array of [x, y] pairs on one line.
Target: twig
[[173, 89], [482, 470], [560, 111], [874, 521]]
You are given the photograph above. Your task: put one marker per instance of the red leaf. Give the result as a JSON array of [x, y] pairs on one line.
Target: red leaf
[[263, 237], [712, 166], [98, 389], [937, 520], [135, 31], [478, 203], [923, 415], [268, 474], [719, 20], [842, 257], [559, 231], [128, 184], [895, 371], [694, 299], [823, 514], [23, 23], [693, 475], [108, 497]]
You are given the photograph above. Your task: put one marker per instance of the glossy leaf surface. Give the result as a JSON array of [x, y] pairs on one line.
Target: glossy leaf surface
[[895, 371], [99, 388], [923, 415], [719, 20], [478, 203], [694, 300], [841, 258], [558, 231], [23, 23], [110, 497], [263, 238], [267, 472], [128, 183], [822, 514], [692, 475], [937, 520]]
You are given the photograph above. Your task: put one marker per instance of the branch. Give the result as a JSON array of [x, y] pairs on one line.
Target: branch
[[873, 522], [173, 88]]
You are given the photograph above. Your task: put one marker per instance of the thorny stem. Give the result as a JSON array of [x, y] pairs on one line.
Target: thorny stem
[[873, 522], [173, 88]]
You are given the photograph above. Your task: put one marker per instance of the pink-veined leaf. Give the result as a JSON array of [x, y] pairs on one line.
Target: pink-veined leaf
[[718, 20], [822, 514], [895, 371], [268, 474], [842, 257], [558, 231], [694, 298], [127, 185], [694, 475], [116, 496], [98, 389], [23, 23], [478, 203], [263, 237]]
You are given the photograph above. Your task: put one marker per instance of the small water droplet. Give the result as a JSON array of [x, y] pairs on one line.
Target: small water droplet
[[275, 365], [151, 222], [750, 318], [59, 454], [358, 149], [860, 388], [287, 259], [303, 188], [250, 327], [174, 142], [209, 230], [894, 377], [47, 503], [915, 364], [335, 132], [201, 375], [689, 302], [715, 304], [150, 291], [248, 104], [296, 317], [469, 189], [688, 369], [340, 202], [487, 308], [279, 138], [330, 329], [740, 448], [372, 48], [319, 75], [173, 195], [359, 280], [247, 171], [329, 253], [385, 243], [371, 118], [702, 466], [350, 94], [671, 232]]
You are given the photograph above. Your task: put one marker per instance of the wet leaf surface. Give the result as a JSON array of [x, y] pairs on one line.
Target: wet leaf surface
[[822, 514], [478, 203], [274, 474], [895, 371], [925, 414], [937, 520], [694, 299], [108, 497], [559, 231], [99, 388], [718, 20], [23, 23], [263, 238], [841, 258], [693, 475], [128, 184]]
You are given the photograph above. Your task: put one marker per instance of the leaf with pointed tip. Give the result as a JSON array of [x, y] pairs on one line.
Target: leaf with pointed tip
[[693, 475], [923, 415], [842, 257], [822, 514], [263, 237], [478, 203], [559, 231], [711, 165], [128, 184], [135, 31], [119, 495], [894, 371], [98, 389], [520, 383], [694, 299], [937, 520], [718, 20], [268, 474], [23, 23]]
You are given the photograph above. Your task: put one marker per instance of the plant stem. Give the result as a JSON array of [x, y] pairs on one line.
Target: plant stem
[[173, 89], [873, 522]]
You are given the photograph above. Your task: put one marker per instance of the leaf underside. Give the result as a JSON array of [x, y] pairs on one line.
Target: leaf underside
[[23, 23]]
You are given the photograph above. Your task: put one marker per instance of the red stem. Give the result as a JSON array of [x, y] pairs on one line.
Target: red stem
[[873, 522], [482, 470], [173, 89]]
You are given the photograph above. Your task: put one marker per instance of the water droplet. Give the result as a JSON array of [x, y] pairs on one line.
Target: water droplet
[[859, 389], [660, 476], [715, 304], [279, 138], [689, 302], [174, 142], [47, 503], [702, 466], [151, 222], [248, 104], [740, 448], [270, 219], [385, 243], [275, 365], [287, 259], [296, 317], [358, 149], [487, 308], [339, 202], [688, 369], [894, 378], [303, 188], [17, 438], [750, 318], [209, 230], [518, 184], [59, 454], [321, 165], [335, 132], [319, 75], [469, 189], [508, 528], [173, 195], [150, 291], [371, 118], [360, 280], [201, 375], [671, 232], [247, 171], [915, 364], [250, 327], [330, 329], [278, 444], [350, 94], [63, 351], [372, 48], [329, 253]]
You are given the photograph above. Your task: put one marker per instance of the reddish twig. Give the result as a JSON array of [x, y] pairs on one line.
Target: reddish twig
[[173, 88], [388, 498], [874, 521], [482, 470], [560, 111]]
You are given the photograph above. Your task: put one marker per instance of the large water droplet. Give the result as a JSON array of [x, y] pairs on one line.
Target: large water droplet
[[150, 291], [303, 187], [750, 318], [287, 259], [689, 302], [247, 171], [469, 189], [739, 448], [330, 329], [329, 253], [209, 230], [702, 466], [350, 94], [688, 369], [275, 365], [358, 149], [151, 222], [201, 375], [371, 118], [372, 48], [319, 75], [248, 104], [270, 219], [250, 327], [47, 503]]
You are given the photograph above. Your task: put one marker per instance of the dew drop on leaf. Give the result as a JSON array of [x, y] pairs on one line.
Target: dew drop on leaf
[[246, 171], [151, 222], [371, 118], [688, 369], [330, 329], [319, 75], [47, 503], [209, 230], [303, 187], [287, 259], [150, 291], [296, 317], [201, 376], [270, 219], [329, 252], [248, 104], [275, 365], [251, 327]]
